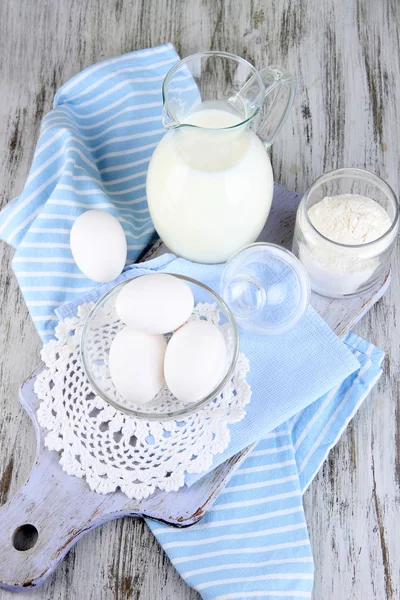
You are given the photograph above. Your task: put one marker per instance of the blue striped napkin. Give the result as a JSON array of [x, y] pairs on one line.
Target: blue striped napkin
[[93, 152], [254, 542]]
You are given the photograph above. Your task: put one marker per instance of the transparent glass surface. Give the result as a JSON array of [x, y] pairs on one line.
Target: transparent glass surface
[[103, 324], [266, 287], [339, 270], [228, 82]]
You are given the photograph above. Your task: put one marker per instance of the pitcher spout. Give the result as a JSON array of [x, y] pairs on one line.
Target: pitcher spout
[[168, 120]]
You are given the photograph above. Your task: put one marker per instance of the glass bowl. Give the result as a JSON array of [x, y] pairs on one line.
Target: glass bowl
[[340, 270], [103, 324]]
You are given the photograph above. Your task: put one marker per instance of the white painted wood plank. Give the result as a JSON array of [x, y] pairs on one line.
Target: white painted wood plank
[[346, 58]]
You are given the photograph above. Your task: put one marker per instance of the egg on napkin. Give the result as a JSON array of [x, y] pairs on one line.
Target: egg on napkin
[[98, 245], [136, 364], [155, 303], [195, 361]]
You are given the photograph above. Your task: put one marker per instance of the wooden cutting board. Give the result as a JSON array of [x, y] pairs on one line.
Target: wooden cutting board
[[53, 510]]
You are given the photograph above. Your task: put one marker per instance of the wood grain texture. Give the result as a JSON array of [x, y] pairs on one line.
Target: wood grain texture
[[62, 508], [345, 56]]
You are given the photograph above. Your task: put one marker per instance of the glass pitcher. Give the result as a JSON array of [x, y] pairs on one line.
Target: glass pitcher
[[210, 182]]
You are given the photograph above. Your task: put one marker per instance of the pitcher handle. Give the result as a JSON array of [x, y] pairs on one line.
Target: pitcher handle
[[282, 86]]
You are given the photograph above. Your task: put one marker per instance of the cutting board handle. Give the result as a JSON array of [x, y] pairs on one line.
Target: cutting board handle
[[42, 521], [53, 510]]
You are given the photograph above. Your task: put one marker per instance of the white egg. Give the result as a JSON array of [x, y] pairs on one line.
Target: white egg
[[195, 361], [98, 245], [136, 365], [155, 303]]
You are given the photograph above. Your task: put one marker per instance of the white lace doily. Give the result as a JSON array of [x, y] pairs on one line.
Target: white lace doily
[[115, 451]]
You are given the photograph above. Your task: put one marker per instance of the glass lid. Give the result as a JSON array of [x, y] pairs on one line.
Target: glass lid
[[266, 287]]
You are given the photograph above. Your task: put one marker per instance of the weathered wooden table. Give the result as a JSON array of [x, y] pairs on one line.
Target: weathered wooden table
[[345, 56]]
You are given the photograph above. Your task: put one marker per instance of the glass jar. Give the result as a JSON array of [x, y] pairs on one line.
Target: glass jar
[[339, 270]]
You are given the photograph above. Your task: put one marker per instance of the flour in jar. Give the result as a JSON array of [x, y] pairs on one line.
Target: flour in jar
[[210, 187], [351, 220]]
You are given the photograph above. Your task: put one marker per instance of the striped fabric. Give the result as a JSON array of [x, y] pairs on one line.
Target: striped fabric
[[93, 152], [254, 542]]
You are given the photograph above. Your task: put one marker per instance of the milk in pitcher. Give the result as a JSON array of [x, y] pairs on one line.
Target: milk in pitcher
[[209, 186]]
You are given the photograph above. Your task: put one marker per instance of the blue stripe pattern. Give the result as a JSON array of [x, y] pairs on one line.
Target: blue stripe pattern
[[254, 541], [93, 152]]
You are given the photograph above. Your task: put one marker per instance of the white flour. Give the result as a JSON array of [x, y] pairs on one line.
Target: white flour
[[349, 219], [346, 219]]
